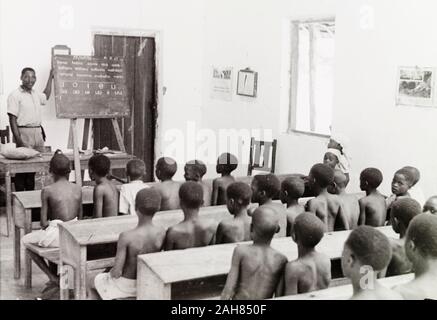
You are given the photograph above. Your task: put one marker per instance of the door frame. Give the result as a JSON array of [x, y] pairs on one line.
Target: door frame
[[157, 36]]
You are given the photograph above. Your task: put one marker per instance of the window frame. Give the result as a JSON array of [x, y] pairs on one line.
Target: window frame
[[294, 77]]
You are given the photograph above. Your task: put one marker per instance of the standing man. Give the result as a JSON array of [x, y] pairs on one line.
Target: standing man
[[24, 111]]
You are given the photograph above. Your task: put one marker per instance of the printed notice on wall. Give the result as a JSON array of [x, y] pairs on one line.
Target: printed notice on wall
[[221, 84]]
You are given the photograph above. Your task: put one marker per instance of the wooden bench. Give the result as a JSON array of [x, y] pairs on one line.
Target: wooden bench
[[159, 272], [346, 291], [23, 204]]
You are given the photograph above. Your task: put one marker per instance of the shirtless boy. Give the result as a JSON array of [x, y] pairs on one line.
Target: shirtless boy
[[328, 207], [61, 202], [421, 249], [373, 208], [350, 201], [145, 238], [236, 229], [226, 164], [292, 189], [366, 252], [105, 194], [166, 168], [312, 270], [194, 171], [194, 231], [257, 270], [403, 211]]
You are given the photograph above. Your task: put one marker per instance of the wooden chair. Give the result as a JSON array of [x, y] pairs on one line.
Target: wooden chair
[[262, 156], [5, 136]]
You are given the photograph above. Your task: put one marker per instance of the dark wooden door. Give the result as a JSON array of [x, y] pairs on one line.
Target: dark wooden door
[[139, 130]]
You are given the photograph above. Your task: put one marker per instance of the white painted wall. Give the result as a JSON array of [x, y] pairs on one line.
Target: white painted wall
[[385, 135], [254, 34]]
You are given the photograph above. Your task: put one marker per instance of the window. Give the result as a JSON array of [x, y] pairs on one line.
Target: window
[[312, 76]]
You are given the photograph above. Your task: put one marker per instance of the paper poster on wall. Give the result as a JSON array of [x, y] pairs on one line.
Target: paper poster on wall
[[221, 84], [415, 86]]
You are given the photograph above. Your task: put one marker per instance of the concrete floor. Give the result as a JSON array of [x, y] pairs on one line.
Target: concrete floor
[[11, 289]]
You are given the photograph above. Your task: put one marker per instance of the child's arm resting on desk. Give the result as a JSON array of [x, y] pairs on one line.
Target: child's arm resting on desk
[[120, 258], [233, 276]]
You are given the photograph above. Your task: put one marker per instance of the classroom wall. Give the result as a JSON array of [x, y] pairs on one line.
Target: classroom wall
[[254, 34], [373, 38], [29, 29], [385, 135]]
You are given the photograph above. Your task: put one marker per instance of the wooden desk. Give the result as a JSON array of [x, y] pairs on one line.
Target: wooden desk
[[23, 203], [157, 272], [76, 237], [346, 292], [41, 164]]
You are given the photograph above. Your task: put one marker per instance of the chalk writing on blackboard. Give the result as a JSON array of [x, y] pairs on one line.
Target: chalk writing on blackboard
[[90, 87]]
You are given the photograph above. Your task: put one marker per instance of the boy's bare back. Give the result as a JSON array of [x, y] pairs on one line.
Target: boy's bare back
[[169, 191], [64, 200], [191, 234], [260, 272], [292, 213], [351, 209], [373, 210], [106, 198], [327, 207], [207, 194], [418, 289], [220, 186], [311, 273], [234, 230], [282, 212], [142, 240], [399, 263]]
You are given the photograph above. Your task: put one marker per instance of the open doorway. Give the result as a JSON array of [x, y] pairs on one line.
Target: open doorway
[[139, 130]]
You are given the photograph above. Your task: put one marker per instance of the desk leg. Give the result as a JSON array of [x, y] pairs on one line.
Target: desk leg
[[8, 183], [17, 253], [80, 276], [27, 258]]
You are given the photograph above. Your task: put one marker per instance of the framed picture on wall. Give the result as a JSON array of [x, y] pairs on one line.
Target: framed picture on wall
[[247, 83], [415, 86]]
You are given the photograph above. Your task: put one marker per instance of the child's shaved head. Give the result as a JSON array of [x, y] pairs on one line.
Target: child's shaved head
[[269, 183], [191, 195], [226, 163], [340, 179], [166, 168], [294, 186], [135, 169], [148, 201], [405, 209], [100, 165], [265, 222], [372, 176], [195, 170], [323, 174], [309, 229], [430, 205], [60, 165], [414, 172], [370, 246], [423, 232], [240, 192]]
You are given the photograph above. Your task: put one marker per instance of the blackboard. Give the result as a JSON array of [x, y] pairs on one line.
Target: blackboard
[[90, 87]]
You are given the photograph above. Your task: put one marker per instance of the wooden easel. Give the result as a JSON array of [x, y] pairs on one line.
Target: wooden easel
[[76, 148], [74, 144]]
